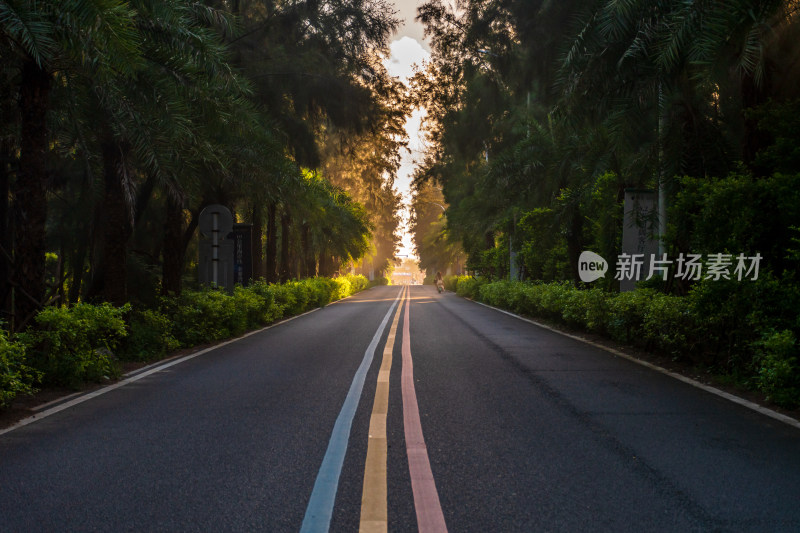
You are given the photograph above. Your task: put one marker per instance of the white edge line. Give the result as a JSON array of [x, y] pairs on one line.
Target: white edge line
[[722, 394], [159, 365], [137, 375]]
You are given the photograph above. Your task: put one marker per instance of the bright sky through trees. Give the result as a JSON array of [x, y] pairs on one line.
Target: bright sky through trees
[[407, 50]]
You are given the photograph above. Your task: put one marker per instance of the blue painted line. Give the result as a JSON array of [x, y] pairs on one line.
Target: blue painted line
[[320, 506]]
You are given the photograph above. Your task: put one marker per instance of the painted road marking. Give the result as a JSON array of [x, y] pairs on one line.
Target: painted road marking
[[65, 403], [689, 381], [320, 506], [374, 514], [426, 499]]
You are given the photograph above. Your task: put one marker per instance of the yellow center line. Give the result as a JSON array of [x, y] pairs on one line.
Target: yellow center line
[[374, 515]]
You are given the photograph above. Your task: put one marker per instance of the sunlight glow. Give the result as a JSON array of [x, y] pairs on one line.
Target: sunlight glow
[[405, 54]]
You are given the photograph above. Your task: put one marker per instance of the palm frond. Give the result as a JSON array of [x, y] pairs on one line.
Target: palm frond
[[27, 27]]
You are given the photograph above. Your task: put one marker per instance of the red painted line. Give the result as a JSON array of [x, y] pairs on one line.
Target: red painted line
[[426, 499]]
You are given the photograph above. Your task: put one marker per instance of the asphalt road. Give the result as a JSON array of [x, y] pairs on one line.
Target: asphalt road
[[524, 430]]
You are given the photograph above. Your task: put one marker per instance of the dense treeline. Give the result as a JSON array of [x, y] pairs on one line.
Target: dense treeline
[[120, 121], [541, 114]]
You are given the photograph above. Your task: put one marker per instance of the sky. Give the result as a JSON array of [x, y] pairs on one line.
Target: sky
[[408, 48]]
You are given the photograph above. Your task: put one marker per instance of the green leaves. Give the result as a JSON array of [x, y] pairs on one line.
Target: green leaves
[[16, 377], [71, 346], [27, 30]]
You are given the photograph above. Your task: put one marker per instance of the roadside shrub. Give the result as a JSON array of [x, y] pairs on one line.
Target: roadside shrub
[[268, 310], [496, 293], [586, 308], [358, 283], [553, 299], [530, 299], [249, 308], [517, 297], [469, 287], [70, 346], [777, 368], [202, 316], [341, 288], [150, 336], [302, 293], [15, 376], [74, 345], [668, 325], [210, 315], [746, 330], [732, 315], [628, 310], [284, 298]]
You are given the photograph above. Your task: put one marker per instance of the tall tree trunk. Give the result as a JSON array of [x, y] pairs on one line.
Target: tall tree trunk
[[189, 232], [62, 275], [309, 261], [255, 246], [172, 267], [93, 282], [754, 139], [76, 253], [286, 267], [5, 231], [30, 195], [272, 244], [324, 263], [77, 264], [186, 238], [144, 194], [118, 226], [575, 243]]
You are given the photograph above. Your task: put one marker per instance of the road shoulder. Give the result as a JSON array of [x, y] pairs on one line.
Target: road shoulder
[[699, 378]]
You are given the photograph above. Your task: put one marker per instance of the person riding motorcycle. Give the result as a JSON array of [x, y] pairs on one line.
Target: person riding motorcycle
[[439, 282]]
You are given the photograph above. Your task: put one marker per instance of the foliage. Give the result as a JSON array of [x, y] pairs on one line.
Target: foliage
[[121, 121], [465, 286], [380, 281], [781, 122], [738, 214], [777, 367], [543, 252], [150, 336], [438, 248], [73, 345], [199, 317], [203, 316], [16, 377], [544, 113]]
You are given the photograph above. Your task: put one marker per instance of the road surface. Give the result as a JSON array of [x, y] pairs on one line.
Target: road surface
[[471, 420]]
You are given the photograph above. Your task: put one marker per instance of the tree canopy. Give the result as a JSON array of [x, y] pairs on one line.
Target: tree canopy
[[541, 114], [120, 121]]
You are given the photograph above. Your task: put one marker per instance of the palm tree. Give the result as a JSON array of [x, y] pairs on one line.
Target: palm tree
[[161, 120], [40, 39]]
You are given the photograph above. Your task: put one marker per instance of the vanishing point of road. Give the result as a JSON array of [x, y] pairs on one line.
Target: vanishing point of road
[[401, 409]]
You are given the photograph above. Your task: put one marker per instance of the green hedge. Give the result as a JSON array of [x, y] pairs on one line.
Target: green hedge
[[70, 346], [84, 343], [16, 377], [199, 317], [747, 331]]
